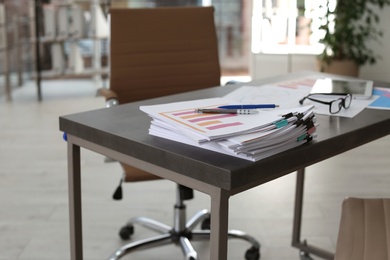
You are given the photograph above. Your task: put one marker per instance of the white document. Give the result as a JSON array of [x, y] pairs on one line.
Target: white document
[[207, 127], [287, 95], [77, 28], [251, 137], [99, 24], [269, 94], [2, 28], [212, 146], [270, 136], [49, 21], [57, 58], [2, 14], [76, 62], [63, 22]]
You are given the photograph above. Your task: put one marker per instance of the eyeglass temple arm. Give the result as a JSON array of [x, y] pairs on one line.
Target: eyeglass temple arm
[[303, 99], [330, 94], [313, 99]]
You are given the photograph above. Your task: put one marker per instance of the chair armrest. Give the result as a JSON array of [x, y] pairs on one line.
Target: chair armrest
[[110, 96], [232, 82], [111, 100]]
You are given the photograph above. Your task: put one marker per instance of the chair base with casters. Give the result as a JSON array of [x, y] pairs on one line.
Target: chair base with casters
[[181, 233]]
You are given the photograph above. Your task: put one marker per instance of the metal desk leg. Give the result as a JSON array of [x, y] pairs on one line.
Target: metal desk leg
[[219, 224], [74, 186], [38, 5], [296, 237]]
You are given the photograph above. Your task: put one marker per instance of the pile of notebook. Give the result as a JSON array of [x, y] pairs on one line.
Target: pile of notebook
[[249, 136]]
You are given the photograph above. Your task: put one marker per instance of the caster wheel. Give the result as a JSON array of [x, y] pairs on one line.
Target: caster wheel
[[206, 224], [252, 254], [126, 232], [305, 256]]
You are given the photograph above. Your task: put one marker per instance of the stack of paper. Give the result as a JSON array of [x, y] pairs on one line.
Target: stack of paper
[[252, 137]]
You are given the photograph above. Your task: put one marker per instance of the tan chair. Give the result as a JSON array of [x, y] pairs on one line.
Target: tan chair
[[364, 232], [157, 52]]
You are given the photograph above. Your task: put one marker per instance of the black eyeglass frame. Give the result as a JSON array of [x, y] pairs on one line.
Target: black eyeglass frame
[[342, 99]]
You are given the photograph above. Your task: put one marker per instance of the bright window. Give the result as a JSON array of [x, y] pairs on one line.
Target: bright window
[[286, 26]]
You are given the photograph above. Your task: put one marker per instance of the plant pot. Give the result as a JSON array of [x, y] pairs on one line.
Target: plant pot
[[340, 67]]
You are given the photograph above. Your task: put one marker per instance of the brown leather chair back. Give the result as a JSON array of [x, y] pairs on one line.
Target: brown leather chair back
[[162, 51]]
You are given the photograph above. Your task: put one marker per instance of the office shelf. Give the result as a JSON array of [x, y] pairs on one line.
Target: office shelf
[[15, 52], [71, 40]]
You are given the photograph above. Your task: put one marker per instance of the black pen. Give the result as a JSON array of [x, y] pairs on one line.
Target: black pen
[[227, 111]]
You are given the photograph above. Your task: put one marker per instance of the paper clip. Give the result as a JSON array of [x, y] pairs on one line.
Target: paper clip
[[281, 123], [288, 115], [302, 137], [291, 114]]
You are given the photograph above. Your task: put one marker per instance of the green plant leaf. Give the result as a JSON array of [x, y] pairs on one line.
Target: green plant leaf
[[355, 24]]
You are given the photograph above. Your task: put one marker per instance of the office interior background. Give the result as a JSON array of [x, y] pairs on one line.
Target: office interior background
[[258, 38]]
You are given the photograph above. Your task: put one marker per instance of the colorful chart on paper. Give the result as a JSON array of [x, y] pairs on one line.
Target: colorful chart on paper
[[211, 122], [383, 102]]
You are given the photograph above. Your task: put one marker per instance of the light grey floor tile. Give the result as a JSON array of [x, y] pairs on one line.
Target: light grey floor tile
[[34, 200]]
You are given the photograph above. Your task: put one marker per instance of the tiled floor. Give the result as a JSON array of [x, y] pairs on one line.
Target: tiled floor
[[33, 190]]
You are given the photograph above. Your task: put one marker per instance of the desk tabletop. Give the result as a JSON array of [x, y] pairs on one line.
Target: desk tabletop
[[125, 129]]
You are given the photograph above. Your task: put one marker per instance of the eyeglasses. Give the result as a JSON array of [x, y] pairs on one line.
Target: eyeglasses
[[334, 105]]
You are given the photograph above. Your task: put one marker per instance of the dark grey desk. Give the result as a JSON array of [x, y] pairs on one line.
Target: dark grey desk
[[122, 134]]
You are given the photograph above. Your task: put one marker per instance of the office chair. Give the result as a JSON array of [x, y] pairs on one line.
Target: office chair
[[364, 232], [157, 52]]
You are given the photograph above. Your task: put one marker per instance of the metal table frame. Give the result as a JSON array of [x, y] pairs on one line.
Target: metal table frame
[[218, 175]]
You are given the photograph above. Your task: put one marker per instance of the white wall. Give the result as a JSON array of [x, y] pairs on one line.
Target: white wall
[[264, 65], [381, 70], [268, 65]]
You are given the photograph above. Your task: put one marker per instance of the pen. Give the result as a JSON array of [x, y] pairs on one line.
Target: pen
[[249, 106], [227, 111]]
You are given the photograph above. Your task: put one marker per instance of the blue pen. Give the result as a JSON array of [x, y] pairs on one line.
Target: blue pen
[[249, 106]]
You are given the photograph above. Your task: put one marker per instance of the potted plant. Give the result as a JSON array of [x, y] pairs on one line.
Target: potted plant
[[349, 26]]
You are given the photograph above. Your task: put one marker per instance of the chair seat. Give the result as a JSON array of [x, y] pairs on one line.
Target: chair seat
[[132, 174], [364, 232]]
